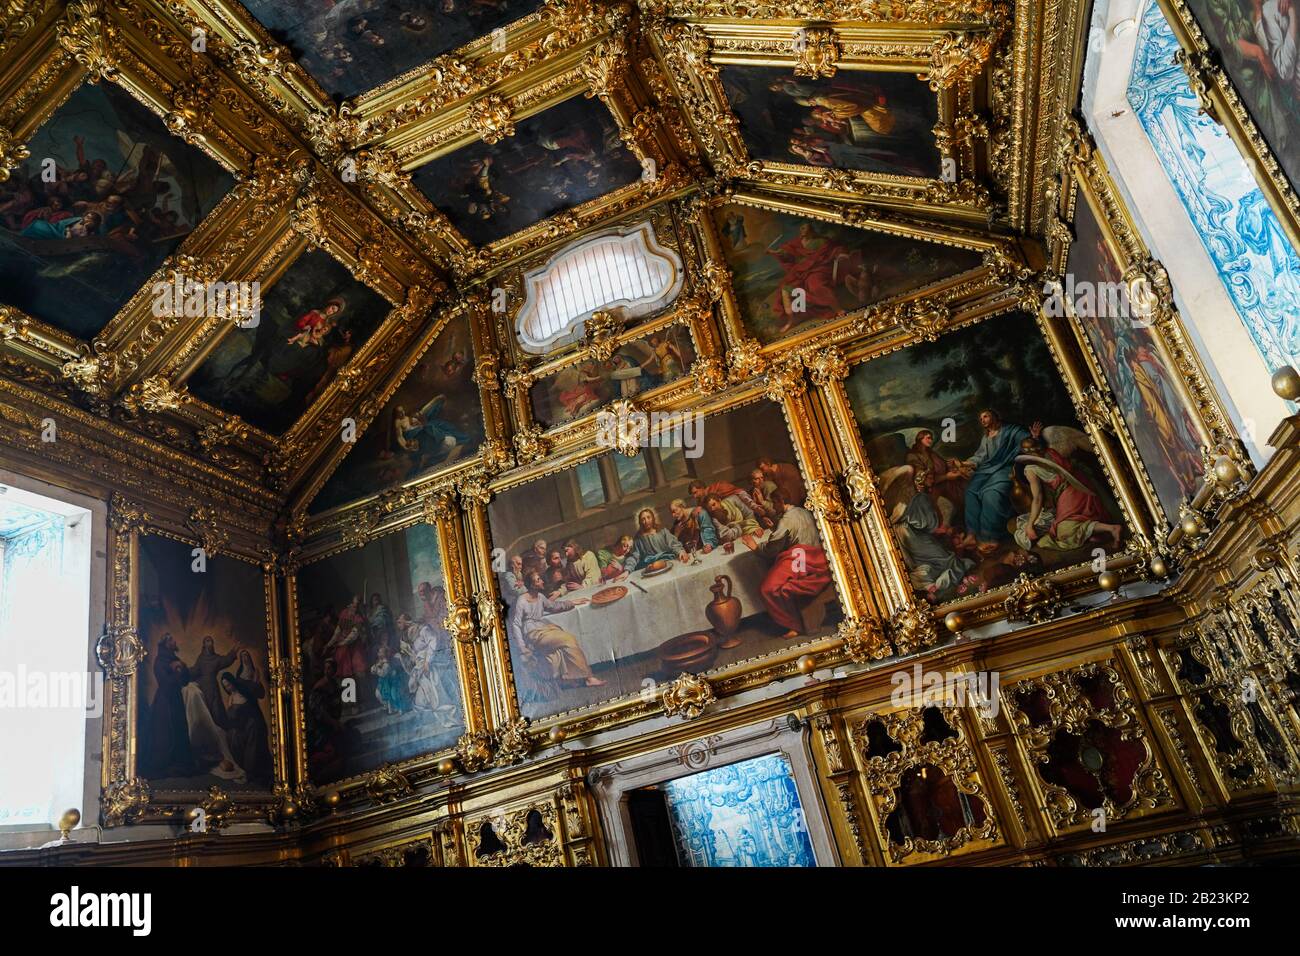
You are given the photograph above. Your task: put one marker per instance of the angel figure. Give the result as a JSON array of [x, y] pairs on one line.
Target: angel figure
[[1065, 511], [933, 566]]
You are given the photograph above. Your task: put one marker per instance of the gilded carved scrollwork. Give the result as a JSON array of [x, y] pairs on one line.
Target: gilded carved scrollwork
[[913, 759], [1085, 718]]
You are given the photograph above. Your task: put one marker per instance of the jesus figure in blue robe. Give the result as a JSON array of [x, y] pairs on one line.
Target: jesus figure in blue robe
[[988, 494]]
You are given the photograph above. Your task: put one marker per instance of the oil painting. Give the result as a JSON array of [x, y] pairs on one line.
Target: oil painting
[[105, 196], [313, 320], [858, 120], [745, 814], [381, 682], [623, 571], [1256, 41], [433, 420], [204, 691], [984, 469], [1137, 372], [790, 272], [557, 159], [635, 367], [351, 46]]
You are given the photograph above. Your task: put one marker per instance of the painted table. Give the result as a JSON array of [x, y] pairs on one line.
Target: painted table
[[671, 603]]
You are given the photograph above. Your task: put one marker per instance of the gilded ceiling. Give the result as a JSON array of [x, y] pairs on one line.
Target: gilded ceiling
[[387, 172]]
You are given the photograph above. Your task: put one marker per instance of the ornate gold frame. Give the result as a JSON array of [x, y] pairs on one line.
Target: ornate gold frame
[[126, 797], [1085, 177], [437, 507], [1220, 101], [692, 696]]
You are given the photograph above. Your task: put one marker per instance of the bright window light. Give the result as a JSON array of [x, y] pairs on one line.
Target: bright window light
[[46, 694], [625, 269]]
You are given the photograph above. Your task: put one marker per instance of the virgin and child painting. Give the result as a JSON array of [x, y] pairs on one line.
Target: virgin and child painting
[[106, 195], [204, 694], [313, 320], [1257, 43], [379, 666], [351, 46], [872, 122], [984, 469], [624, 571], [1139, 376], [791, 272], [635, 367], [433, 420], [557, 159]]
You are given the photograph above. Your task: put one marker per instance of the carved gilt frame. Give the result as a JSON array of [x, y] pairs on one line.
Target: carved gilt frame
[[127, 797]]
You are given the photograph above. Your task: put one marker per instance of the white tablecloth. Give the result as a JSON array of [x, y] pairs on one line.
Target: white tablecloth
[[673, 604]]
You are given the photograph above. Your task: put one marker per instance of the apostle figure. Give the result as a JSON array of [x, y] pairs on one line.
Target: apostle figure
[[510, 582], [546, 641], [808, 261], [693, 527], [733, 523], [787, 479], [988, 494], [582, 568], [799, 569], [652, 543]]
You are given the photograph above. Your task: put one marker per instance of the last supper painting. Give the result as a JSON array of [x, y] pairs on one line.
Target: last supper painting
[[625, 571], [984, 469], [105, 196]]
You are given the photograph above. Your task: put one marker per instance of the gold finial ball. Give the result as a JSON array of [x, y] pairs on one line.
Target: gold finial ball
[[333, 799], [806, 664], [1159, 567], [1192, 524], [1226, 470], [446, 766], [557, 735], [1108, 581], [289, 809], [954, 622], [1286, 383], [71, 817]]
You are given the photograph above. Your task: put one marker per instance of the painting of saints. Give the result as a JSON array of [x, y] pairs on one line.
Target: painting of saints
[[377, 687], [431, 421], [204, 704], [791, 272], [1015, 485], [312, 321], [637, 366], [80, 236], [1257, 43], [560, 158], [1142, 380], [645, 566], [872, 122]]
